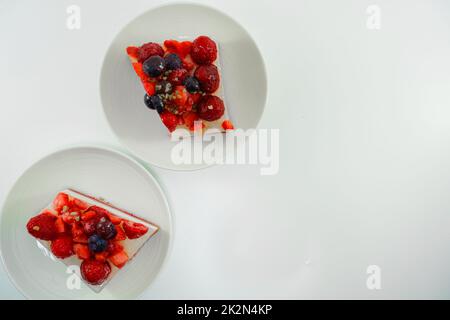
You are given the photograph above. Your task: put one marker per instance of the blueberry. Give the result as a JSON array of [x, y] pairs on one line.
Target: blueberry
[[154, 66], [191, 83], [106, 229], [158, 103], [97, 243], [163, 87], [173, 62], [148, 101]]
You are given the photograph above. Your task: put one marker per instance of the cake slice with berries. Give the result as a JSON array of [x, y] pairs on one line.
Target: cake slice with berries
[[182, 81], [87, 232]]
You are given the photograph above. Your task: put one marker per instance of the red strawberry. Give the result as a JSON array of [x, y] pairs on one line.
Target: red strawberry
[[95, 272], [196, 97], [189, 119], [61, 201], [62, 247], [227, 125], [149, 49], [149, 87], [60, 225], [43, 226], [134, 230], [204, 50], [209, 78], [100, 211], [88, 215], [114, 247], [89, 227], [114, 219], [137, 66], [180, 96], [119, 259], [176, 77], [82, 251], [102, 256], [180, 48], [169, 119], [210, 108], [133, 52], [78, 234], [120, 234], [78, 204], [71, 217]]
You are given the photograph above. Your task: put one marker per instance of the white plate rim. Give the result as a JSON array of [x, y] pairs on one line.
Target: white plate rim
[[136, 154], [127, 157]]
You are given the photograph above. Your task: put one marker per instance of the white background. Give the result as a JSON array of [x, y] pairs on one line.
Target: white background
[[364, 119]]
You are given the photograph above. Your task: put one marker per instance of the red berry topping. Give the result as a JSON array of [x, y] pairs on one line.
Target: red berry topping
[[62, 247], [133, 52], [170, 121], [61, 201], [82, 251], [114, 247], [120, 234], [227, 125], [180, 48], [209, 78], [134, 230], [204, 50], [95, 272], [90, 227], [176, 77], [180, 96], [119, 259], [149, 49], [60, 225], [210, 108], [43, 226]]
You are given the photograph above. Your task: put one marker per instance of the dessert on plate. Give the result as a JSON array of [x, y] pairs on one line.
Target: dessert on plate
[[96, 236], [182, 80]]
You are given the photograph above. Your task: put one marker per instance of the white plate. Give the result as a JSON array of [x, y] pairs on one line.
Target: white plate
[[243, 76], [102, 173]]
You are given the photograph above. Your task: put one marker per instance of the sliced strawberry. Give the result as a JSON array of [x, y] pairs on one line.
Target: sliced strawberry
[[43, 226], [176, 77], [60, 225], [196, 97], [180, 96], [149, 87], [227, 125], [78, 204], [114, 219], [82, 251], [119, 259], [180, 48], [101, 256], [169, 120], [95, 272], [137, 66], [71, 217], [120, 234], [78, 234], [133, 52], [114, 247], [62, 247], [134, 230], [88, 215], [61, 202], [189, 119]]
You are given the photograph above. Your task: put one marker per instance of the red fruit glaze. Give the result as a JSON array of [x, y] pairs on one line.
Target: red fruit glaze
[[43, 226], [210, 108], [204, 50], [95, 272]]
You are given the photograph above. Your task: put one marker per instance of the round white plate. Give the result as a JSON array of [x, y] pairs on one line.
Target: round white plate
[[243, 76], [102, 173]]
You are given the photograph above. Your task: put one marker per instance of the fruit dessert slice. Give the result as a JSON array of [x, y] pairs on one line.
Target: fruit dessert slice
[[90, 233], [183, 83]]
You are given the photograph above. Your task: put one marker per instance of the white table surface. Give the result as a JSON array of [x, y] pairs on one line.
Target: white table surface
[[364, 119]]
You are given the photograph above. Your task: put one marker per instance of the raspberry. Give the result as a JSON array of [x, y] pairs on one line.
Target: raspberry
[[134, 230], [43, 226], [209, 78], [204, 50], [170, 121], [210, 108], [62, 247], [149, 49], [176, 77], [95, 272]]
